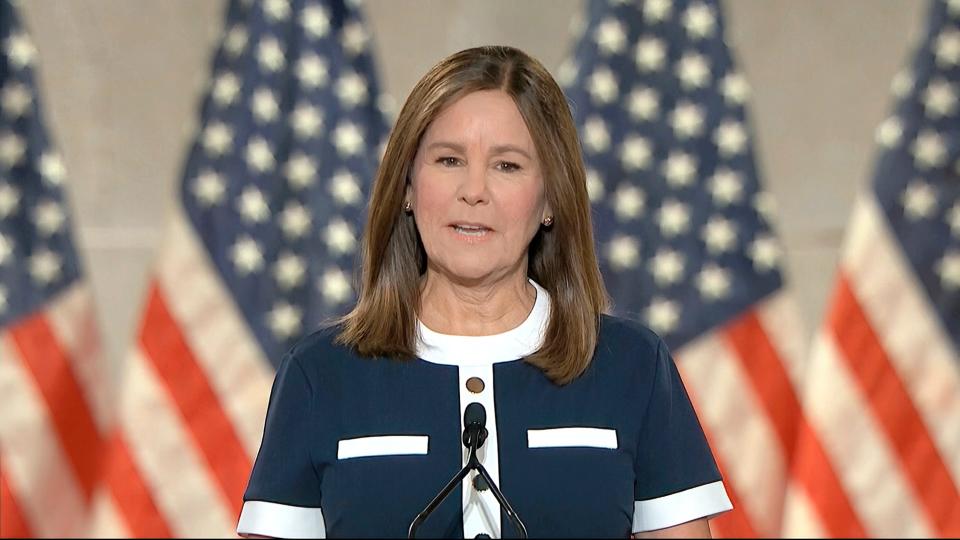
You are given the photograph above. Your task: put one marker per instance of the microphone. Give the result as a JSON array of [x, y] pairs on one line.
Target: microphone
[[474, 435]]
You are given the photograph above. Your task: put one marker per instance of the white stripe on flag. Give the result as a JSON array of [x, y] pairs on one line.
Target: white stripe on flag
[[780, 318], [216, 332], [740, 430], [183, 487], [901, 316], [34, 462], [800, 520], [861, 455], [106, 521]]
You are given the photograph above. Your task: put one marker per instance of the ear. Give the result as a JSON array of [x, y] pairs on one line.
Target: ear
[[408, 193], [547, 212]]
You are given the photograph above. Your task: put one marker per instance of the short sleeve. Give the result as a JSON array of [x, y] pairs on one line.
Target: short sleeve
[[677, 479], [283, 496]]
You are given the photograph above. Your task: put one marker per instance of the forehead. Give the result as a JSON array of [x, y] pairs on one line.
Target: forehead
[[484, 114]]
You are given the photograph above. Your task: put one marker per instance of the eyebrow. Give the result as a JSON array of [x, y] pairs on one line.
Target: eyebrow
[[499, 149]]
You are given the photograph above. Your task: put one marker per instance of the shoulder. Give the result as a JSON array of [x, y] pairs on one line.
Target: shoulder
[[618, 334], [319, 352]]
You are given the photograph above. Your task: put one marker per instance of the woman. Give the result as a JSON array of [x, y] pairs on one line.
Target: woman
[[480, 284]]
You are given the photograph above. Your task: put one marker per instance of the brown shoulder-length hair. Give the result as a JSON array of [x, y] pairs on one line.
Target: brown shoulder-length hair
[[561, 258]]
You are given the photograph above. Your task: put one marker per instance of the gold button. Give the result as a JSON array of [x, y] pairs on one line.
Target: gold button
[[475, 385]]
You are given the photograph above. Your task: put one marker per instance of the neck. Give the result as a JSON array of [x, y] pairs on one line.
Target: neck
[[483, 308]]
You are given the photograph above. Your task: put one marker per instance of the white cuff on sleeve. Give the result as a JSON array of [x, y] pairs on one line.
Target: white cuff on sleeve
[[281, 521], [694, 503]]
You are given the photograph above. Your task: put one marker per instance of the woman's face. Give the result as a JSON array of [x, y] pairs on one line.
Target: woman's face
[[477, 189]]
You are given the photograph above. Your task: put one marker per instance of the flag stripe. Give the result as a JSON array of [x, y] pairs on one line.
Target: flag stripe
[[13, 524], [132, 495], [195, 399], [71, 418], [894, 410], [801, 519]]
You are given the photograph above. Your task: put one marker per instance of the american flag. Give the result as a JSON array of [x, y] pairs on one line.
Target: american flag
[[883, 391], [259, 250], [684, 235], [54, 388]]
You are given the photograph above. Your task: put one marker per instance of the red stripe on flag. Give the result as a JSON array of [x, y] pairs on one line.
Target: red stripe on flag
[[765, 369], [894, 410], [183, 377], [131, 495], [13, 524], [72, 420]]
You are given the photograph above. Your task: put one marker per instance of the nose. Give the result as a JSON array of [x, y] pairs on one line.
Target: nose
[[473, 190]]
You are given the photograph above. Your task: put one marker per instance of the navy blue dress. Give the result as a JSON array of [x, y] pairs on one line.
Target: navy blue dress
[[356, 447]]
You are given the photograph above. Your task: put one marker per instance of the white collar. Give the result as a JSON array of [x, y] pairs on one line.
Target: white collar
[[513, 344]]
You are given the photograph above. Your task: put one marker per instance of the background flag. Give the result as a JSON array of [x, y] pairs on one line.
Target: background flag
[[684, 235], [259, 250], [883, 391], [54, 388]]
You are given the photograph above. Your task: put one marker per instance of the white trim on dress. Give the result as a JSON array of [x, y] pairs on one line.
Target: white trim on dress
[[281, 520], [694, 503]]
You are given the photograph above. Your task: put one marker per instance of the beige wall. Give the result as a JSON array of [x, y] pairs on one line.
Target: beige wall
[[123, 80]]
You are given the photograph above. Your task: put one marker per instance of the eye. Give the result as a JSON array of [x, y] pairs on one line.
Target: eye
[[508, 166], [447, 161]]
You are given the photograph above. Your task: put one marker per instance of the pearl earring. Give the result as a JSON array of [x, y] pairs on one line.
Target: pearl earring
[[548, 221]]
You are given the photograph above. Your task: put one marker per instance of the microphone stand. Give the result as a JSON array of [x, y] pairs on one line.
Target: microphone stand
[[473, 463]]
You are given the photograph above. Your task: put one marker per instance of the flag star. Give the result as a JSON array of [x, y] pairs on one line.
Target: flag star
[[680, 169], [595, 189], [713, 282], [270, 54], [6, 249], [602, 86], [765, 252], [673, 218], [52, 169], [351, 89], [650, 54], [235, 40], [209, 188], [902, 84], [48, 217], [348, 139], [259, 156], [344, 188], [335, 286], [765, 205], [277, 10], [693, 71], [623, 252], [217, 139], [889, 132], [226, 88], [290, 271], [15, 100], [265, 107], [663, 315], [628, 202], [667, 267], [285, 320], [45, 267], [947, 48], [312, 71], [300, 170], [307, 121], [949, 269], [735, 88], [643, 104], [656, 10], [339, 237], [699, 21], [687, 120], [720, 235], [919, 200], [953, 219], [928, 149], [9, 200], [567, 72], [12, 149], [939, 99], [295, 220], [315, 21], [20, 50], [253, 206], [726, 187], [595, 135], [610, 36], [731, 138], [635, 153], [354, 38], [247, 256]]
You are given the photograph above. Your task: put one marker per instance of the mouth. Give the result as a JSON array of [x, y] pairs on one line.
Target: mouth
[[474, 230]]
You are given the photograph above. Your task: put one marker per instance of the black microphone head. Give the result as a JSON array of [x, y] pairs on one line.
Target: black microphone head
[[475, 414]]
